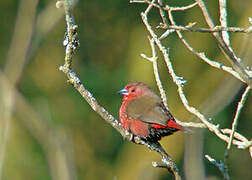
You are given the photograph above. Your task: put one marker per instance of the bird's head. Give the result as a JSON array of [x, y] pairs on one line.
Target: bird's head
[[135, 90]]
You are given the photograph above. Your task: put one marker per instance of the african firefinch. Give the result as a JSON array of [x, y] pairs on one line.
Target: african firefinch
[[143, 113]]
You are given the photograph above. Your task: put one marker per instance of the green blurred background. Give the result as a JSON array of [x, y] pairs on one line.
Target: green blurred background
[[49, 132]]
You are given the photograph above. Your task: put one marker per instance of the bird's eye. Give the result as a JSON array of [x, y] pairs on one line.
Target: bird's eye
[[132, 90]]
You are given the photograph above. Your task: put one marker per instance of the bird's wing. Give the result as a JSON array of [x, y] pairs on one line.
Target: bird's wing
[[148, 109]]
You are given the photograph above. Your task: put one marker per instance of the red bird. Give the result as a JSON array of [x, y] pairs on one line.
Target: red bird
[[143, 113]]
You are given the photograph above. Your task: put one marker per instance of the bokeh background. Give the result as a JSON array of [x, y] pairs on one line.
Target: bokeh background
[[49, 132]]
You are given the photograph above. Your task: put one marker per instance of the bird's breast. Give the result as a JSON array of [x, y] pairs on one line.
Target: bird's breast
[[125, 121]]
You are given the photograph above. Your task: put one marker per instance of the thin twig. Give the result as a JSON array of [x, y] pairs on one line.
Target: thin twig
[[191, 124], [180, 8], [153, 59], [237, 135], [162, 13], [232, 134], [149, 7], [157, 5], [223, 21], [168, 163], [202, 55], [211, 30], [227, 50], [220, 165], [235, 121]]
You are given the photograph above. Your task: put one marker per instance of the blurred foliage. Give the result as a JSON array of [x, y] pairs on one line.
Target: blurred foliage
[[112, 36]]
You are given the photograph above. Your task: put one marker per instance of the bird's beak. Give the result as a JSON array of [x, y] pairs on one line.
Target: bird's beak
[[123, 91]]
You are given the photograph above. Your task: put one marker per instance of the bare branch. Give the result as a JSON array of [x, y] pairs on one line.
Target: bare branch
[[236, 136], [158, 5], [72, 43], [223, 20], [150, 6], [168, 163], [162, 13], [238, 71], [137, 1], [179, 81], [224, 164], [235, 121], [250, 151], [156, 72], [227, 50], [153, 59], [191, 124], [202, 55], [239, 108], [206, 30], [168, 8], [220, 165]]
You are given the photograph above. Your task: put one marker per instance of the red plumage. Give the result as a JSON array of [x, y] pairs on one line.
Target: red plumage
[[143, 113]]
